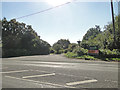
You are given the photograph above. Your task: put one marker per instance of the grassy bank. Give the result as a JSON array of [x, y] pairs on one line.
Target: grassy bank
[[88, 57]]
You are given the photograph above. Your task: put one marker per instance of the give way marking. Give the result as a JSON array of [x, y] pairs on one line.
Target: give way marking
[[43, 75], [81, 82]]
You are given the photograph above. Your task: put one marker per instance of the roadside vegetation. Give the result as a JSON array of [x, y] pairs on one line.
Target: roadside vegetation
[[19, 39], [109, 50]]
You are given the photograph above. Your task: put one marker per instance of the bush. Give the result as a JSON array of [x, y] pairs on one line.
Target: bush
[[86, 57], [52, 50], [61, 51], [70, 55], [109, 54], [113, 59], [80, 51]]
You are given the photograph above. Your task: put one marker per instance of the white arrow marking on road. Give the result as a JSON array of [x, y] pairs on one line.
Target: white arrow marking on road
[[15, 71], [39, 75], [81, 82]]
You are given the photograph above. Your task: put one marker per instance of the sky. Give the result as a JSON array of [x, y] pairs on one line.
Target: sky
[[70, 21]]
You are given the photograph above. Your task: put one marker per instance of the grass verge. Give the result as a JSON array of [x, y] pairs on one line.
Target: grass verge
[[73, 55], [88, 57]]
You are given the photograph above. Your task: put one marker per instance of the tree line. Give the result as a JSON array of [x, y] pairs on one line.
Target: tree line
[[20, 39], [104, 40]]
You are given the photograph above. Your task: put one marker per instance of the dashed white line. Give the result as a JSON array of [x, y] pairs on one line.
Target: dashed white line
[[15, 71], [38, 82], [81, 82], [43, 75]]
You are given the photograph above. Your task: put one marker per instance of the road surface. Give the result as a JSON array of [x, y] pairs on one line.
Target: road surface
[[57, 71]]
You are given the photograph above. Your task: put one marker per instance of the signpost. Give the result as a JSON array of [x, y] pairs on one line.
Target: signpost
[[93, 50]]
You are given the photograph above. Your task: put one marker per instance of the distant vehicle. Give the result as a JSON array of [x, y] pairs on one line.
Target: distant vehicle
[[93, 50]]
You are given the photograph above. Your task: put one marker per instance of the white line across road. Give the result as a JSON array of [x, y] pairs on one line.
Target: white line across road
[[38, 82], [81, 82], [15, 71], [43, 75]]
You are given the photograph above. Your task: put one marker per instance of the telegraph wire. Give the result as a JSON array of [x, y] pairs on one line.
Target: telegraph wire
[[43, 10]]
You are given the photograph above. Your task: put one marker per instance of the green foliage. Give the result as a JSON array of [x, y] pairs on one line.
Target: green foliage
[[73, 55], [52, 50], [16, 52], [92, 32], [71, 47], [109, 53], [20, 39], [80, 51], [109, 49], [70, 55], [104, 40], [63, 43], [61, 46], [57, 48], [112, 59], [87, 57]]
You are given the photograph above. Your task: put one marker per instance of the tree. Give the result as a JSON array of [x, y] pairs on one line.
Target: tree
[[57, 48], [92, 32], [61, 45], [20, 39], [89, 37], [72, 46], [105, 39]]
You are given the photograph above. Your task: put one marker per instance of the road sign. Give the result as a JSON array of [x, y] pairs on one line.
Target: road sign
[[93, 50]]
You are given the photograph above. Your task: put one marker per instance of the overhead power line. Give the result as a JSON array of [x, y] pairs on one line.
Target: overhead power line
[[42, 11]]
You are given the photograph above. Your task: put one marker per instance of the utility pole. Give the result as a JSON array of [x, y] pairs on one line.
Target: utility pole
[[79, 44], [113, 21]]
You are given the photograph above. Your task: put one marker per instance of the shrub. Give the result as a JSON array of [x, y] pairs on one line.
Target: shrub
[[70, 55], [86, 57], [108, 53], [52, 50], [80, 51]]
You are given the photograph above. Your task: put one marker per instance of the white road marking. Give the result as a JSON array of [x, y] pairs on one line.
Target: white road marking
[[43, 75], [15, 71], [16, 58], [42, 65], [57, 63], [81, 82], [38, 82]]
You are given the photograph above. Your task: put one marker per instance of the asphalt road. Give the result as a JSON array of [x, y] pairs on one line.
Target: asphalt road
[[57, 71]]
